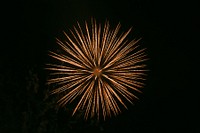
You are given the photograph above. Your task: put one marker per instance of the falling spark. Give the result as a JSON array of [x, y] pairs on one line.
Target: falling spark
[[99, 67]]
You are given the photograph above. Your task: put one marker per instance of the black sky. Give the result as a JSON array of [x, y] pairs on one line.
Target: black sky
[[168, 28]]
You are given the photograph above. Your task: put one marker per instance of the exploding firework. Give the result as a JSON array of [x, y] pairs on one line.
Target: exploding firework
[[99, 70]]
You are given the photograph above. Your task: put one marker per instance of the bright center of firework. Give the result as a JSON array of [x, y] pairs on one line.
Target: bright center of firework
[[97, 72]]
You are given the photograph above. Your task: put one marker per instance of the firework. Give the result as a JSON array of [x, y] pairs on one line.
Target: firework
[[99, 69]]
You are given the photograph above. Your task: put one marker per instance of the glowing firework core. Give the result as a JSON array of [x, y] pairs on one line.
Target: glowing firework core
[[97, 72]]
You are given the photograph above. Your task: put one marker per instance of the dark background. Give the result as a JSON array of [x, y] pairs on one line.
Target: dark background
[[169, 30]]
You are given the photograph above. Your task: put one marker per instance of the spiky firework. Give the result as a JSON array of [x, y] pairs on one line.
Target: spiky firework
[[99, 69]]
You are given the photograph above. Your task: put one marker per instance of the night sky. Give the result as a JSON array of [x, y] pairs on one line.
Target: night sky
[[168, 29]]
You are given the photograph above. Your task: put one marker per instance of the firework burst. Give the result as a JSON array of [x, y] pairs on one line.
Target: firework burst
[[99, 69]]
